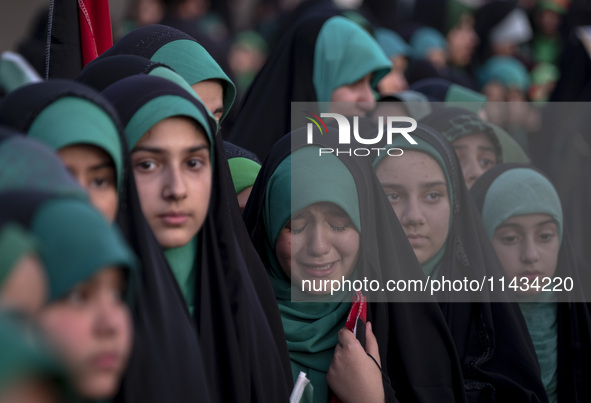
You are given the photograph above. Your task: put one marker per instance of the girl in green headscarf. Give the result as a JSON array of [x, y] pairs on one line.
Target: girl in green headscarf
[[315, 239], [322, 59], [314, 219], [186, 195], [88, 265], [81, 126], [522, 215]]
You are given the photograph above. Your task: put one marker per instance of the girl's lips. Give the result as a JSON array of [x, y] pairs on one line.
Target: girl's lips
[[174, 219], [531, 275], [319, 271], [415, 239], [106, 361]]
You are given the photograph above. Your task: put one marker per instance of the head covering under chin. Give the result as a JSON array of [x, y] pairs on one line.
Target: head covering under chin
[[235, 318], [311, 328], [64, 113], [316, 56], [180, 51]]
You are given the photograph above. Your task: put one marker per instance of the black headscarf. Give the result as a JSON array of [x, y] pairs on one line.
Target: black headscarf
[[236, 318], [573, 319], [183, 53], [498, 359], [409, 334], [104, 71], [166, 364]]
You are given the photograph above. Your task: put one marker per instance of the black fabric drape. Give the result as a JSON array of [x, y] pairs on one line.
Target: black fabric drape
[[286, 77], [166, 363], [238, 326], [416, 349], [104, 71], [574, 320], [63, 57], [498, 359]]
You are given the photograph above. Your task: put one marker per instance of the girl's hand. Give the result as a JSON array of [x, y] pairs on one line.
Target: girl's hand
[[353, 376]]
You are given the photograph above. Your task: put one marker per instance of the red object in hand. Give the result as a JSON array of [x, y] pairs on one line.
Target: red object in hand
[[356, 322]]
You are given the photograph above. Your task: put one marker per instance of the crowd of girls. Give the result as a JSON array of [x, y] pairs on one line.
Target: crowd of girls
[[144, 258]]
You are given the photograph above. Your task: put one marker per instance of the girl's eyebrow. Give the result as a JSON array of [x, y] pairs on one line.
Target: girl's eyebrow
[[157, 150], [106, 164], [153, 150], [433, 184], [549, 221]]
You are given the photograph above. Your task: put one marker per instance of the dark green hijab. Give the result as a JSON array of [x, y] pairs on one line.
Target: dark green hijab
[[75, 242], [311, 328]]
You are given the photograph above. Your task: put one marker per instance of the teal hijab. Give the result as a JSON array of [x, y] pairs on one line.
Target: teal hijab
[[518, 192], [311, 328], [192, 62], [392, 44], [344, 54], [73, 120], [506, 70], [75, 242], [430, 267], [424, 40]]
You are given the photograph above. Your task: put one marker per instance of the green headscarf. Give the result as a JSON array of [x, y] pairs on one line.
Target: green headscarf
[[244, 172], [182, 264], [160, 108], [75, 242], [392, 44], [192, 62], [344, 54], [424, 39], [15, 242], [517, 192], [71, 121], [23, 359], [311, 328], [430, 267], [520, 191], [506, 70]]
